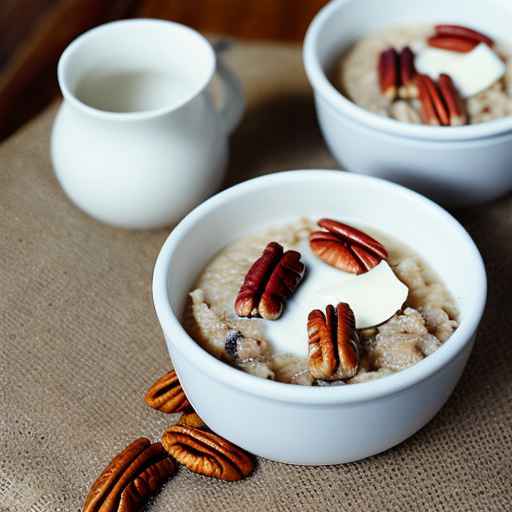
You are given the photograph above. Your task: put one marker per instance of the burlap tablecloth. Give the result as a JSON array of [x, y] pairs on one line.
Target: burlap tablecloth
[[81, 343]]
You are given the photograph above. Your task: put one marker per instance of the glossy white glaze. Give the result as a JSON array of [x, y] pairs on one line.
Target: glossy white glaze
[[148, 165], [456, 165], [318, 425]]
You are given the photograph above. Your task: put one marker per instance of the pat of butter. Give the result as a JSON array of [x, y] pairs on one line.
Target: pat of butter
[[374, 296], [471, 72], [433, 62], [478, 70]]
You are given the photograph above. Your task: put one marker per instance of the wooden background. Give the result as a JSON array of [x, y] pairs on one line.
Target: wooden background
[[33, 33]]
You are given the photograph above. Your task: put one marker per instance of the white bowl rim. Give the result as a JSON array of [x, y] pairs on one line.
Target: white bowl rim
[[217, 370], [112, 26], [344, 106]]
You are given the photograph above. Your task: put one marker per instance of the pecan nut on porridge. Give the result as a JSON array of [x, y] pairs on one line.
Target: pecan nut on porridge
[[442, 75], [323, 304]]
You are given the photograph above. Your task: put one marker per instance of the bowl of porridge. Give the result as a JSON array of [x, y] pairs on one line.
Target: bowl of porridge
[[318, 317], [417, 94]]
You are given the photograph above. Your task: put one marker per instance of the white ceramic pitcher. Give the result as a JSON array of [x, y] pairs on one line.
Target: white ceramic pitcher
[[137, 141]]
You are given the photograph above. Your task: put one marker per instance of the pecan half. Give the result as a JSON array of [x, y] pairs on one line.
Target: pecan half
[[428, 111], [456, 110], [335, 251], [282, 283], [191, 419], [396, 73], [272, 278], [166, 394], [247, 300], [463, 32], [408, 88], [333, 343], [146, 485], [453, 44], [432, 92], [389, 73], [131, 477], [345, 247], [207, 453], [440, 104], [366, 258], [354, 235]]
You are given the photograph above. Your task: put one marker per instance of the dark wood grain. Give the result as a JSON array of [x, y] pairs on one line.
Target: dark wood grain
[[283, 20], [17, 18], [28, 79]]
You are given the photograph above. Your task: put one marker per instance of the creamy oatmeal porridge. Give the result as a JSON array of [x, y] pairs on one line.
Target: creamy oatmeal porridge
[[481, 73], [278, 349]]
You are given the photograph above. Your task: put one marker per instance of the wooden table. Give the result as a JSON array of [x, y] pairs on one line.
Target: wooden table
[[33, 34]]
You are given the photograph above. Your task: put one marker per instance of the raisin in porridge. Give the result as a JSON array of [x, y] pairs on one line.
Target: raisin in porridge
[[319, 304], [444, 75]]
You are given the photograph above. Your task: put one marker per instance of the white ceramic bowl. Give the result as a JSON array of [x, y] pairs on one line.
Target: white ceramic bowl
[[457, 166], [317, 425]]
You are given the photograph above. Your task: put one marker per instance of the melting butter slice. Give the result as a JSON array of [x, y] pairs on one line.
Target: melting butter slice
[[433, 62], [478, 70], [374, 296], [471, 72]]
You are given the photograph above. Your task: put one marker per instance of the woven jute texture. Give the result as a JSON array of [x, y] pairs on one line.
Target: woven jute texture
[[80, 342]]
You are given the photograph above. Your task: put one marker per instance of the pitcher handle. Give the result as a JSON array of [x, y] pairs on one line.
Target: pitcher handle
[[233, 103]]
